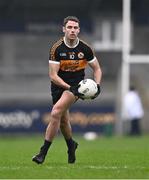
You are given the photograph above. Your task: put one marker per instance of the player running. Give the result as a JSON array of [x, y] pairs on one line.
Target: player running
[[67, 62]]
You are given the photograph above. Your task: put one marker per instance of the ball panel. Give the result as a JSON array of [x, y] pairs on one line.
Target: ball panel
[[88, 87]]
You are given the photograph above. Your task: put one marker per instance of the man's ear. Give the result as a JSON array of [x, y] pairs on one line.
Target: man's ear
[[63, 29], [79, 29]]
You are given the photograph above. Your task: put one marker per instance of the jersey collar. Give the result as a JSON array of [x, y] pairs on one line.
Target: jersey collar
[[71, 46]]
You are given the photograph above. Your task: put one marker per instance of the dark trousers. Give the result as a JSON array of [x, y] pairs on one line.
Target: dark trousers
[[135, 127]]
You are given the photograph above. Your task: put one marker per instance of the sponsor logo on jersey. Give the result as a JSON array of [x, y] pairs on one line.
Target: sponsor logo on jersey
[[80, 55], [73, 65], [62, 54]]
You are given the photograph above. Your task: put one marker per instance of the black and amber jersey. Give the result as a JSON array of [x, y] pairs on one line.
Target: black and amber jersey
[[72, 61]]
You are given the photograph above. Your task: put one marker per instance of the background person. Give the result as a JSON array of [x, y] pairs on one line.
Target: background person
[[134, 110]]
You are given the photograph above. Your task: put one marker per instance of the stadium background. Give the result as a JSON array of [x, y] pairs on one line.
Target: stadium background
[[29, 27]]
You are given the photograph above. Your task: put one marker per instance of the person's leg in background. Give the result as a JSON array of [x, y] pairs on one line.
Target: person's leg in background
[[136, 125]]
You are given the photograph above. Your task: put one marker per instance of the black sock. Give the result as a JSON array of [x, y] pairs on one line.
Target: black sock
[[45, 147], [69, 143]]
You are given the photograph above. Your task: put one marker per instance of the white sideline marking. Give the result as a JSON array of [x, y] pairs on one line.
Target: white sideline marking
[[98, 167], [9, 168], [75, 167]]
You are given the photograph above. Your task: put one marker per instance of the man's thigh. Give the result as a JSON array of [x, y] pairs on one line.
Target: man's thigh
[[65, 101]]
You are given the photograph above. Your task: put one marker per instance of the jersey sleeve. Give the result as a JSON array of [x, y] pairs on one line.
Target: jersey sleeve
[[54, 55], [90, 55]]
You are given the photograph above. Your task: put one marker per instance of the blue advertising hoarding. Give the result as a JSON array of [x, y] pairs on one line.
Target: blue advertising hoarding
[[35, 119]]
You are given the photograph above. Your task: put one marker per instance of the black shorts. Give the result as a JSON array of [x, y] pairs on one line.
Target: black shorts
[[58, 91], [56, 95]]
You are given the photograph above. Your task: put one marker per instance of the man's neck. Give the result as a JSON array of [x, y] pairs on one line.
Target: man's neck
[[71, 43]]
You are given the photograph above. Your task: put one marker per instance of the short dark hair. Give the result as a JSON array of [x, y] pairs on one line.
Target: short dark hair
[[70, 18], [132, 88]]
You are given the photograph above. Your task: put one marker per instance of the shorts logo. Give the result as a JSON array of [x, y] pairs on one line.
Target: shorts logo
[[80, 55]]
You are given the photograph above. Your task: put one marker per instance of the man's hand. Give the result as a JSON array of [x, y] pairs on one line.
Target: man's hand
[[97, 93], [74, 90]]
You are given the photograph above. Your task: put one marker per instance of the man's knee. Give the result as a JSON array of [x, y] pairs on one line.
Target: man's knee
[[56, 112]]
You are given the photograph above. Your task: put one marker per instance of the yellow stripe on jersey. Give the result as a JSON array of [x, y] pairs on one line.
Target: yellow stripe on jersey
[[73, 65], [52, 52], [87, 45]]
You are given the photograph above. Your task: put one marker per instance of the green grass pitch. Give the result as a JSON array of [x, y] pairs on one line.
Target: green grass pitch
[[105, 157]]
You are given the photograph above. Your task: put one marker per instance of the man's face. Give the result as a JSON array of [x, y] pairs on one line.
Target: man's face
[[71, 30]]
